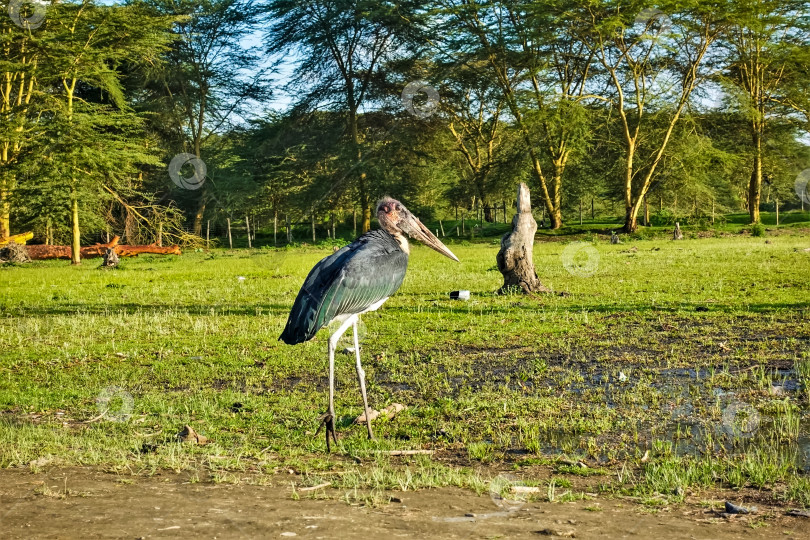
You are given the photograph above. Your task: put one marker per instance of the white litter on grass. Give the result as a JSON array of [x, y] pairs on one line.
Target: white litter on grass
[[240, 278], [622, 376]]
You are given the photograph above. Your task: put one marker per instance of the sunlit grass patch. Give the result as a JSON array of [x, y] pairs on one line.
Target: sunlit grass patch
[[693, 354]]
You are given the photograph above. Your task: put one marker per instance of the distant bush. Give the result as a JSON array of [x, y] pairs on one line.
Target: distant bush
[[702, 221], [642, 233], [662, 218]]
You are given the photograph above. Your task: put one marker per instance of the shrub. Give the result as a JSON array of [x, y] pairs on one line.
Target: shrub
[[662, 218]]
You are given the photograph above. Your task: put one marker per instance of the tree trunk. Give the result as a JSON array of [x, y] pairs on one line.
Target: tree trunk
[[549, 199], [247, 228], [631, 219], [646, 212], [198, 215], [488, 217], [630, 224], [755, 184], [5, 211], [363, 188], [366, 215], [75, 246], [555, 212], [514, 259], [230, 238], [21, 238]]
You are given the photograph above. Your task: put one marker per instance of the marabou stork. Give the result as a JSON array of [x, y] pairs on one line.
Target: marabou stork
[[354, 280]]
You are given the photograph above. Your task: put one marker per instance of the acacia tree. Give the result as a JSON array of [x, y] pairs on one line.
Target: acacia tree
[[768, 52], [17, 87], [651, 73], [340, 48], [541, 70], [209, 81], [475, 113], [91, 148], [294, 158]]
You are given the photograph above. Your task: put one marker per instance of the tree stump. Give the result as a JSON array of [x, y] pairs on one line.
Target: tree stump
[[677, 234], [515, 256], [110, 259], [14, 253]]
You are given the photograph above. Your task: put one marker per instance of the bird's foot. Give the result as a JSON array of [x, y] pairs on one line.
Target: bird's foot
[[328, 424]]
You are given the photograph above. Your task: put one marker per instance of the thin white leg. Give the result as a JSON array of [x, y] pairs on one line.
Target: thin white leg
[[331, 408], [361, 376], [330, 414]]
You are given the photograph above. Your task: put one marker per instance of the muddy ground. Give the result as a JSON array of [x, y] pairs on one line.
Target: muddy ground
[[87, 503]]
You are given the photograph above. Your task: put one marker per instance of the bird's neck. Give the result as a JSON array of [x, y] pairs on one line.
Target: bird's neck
[[403, 242]]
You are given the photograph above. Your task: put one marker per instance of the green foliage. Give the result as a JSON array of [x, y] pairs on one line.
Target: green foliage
[[83, 141], [560, 95]]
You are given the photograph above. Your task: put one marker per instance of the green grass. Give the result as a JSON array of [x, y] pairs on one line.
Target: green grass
[[652, 353]]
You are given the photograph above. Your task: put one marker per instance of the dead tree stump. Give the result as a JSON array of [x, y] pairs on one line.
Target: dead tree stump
[[514, 259], [677, 234], [14, 253], [110, 259]]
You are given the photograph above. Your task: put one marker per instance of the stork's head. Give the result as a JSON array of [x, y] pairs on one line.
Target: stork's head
[[398, 220]]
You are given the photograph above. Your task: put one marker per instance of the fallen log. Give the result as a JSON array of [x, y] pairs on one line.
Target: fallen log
[[41, 252], [21, 238], [133, 251]]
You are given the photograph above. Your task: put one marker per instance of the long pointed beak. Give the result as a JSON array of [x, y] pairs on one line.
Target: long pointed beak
[[418, 231]]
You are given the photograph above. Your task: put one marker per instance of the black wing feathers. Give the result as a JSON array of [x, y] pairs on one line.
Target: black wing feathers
[[346, 282]]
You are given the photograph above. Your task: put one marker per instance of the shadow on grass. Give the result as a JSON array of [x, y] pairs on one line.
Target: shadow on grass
[[518, 303]]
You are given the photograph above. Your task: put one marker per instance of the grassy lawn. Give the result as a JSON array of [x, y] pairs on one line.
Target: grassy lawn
[[667, 366]]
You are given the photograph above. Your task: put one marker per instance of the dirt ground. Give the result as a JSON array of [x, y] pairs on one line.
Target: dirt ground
[[73, 503]]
